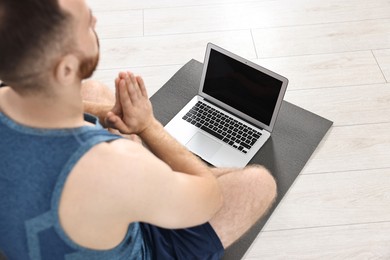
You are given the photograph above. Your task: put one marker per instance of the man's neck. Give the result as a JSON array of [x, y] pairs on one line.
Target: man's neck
[[43, 112]]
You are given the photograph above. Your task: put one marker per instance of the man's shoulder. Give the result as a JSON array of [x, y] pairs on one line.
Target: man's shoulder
[[106, 165], [116, 150], [110, 165], [115, 157]]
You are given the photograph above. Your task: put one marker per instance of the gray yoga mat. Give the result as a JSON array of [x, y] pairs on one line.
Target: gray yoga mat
[[296, 135]]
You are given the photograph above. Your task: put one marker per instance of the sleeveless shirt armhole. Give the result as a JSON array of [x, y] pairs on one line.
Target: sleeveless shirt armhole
[[56, 196]]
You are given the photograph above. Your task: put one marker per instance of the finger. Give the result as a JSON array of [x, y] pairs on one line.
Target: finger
[[117, 103], [128, 82], [124, 96], [132, 77], [135, 84], [116, 122], [109, 120], [132, 88], [139, 87], [122, 75], [142, 87]]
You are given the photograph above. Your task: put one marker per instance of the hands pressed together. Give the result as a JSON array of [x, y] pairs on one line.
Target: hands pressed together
[[132, 112]]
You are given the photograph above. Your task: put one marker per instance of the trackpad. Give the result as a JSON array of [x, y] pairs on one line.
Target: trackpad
[[203, 146]]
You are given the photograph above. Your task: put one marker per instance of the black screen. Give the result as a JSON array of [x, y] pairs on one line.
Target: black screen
[[242, 87]]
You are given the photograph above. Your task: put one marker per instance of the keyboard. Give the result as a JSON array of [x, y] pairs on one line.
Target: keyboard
[[221, 126]]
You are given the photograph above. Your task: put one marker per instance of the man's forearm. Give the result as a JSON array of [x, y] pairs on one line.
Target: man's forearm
[[159, 142], [172, 152]]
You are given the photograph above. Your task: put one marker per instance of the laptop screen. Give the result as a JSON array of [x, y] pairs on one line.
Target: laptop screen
[[242, 87]]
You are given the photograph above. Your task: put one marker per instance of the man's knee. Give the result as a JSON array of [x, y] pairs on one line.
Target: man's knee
[[91, 85], [95, 91], [265, 180]]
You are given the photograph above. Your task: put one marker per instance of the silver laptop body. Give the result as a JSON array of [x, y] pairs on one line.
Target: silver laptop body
[[234, 112]]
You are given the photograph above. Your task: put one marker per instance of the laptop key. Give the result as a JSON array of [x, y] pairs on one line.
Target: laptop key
[[257, 135], [246, 146], [210, 131]]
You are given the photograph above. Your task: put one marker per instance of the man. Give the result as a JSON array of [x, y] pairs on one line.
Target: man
[[70, 189]]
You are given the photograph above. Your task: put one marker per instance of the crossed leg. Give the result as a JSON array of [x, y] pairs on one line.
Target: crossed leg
[[248, 192]]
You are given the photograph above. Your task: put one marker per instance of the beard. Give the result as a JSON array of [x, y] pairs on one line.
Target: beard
[[89, 64]]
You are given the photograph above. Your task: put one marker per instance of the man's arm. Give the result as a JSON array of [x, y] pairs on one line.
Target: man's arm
[[149, 129], [137, 117], [120, 182]]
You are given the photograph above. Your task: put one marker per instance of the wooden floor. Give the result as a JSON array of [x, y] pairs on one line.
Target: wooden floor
[[336, 54]]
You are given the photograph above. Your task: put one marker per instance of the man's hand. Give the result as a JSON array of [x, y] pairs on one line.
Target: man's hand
[[132, 112]]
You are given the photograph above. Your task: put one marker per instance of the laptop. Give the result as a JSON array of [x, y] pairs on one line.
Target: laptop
[[235, 110]]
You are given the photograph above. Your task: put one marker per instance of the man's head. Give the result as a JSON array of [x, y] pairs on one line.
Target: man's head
[[45, 43]]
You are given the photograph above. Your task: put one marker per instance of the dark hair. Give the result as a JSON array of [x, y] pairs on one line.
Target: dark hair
[[31, 31]]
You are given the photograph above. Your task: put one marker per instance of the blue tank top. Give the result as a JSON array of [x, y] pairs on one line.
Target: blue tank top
[[34, 165]]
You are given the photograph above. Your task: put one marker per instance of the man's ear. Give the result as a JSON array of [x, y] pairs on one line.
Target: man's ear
[[66, 71]]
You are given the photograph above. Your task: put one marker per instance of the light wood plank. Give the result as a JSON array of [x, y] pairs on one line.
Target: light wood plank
[[352, 148], [335, 199], [260, 14], [369, 104], [327, 70], [154, 77], [201, 18], [170, 50], [119, 5], [322, 38], [383, 57], [119, 24], [366, 241]]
